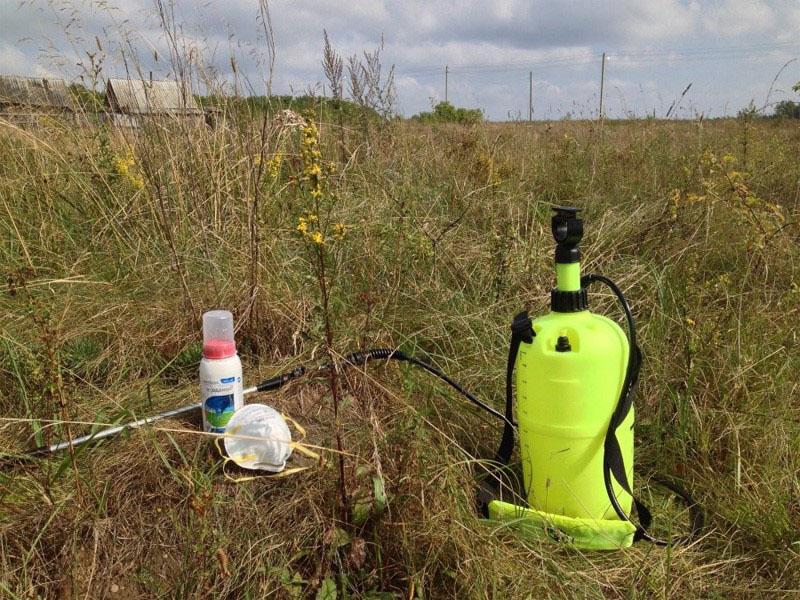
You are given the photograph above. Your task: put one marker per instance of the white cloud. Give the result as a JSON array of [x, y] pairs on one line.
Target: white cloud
[[13, 60], [732, 18], [490, 46], [651, 21]]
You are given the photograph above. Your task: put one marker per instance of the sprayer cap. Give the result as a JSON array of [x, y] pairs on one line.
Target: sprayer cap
[[218, 339]]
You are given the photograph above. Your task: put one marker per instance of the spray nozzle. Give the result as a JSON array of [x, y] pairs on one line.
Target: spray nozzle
[[567, 230]]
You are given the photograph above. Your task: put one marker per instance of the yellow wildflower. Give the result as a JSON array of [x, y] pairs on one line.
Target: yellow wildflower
[[312, 159], [310, 134], [125, 166], [313, 170], [302, 226], [274, 165], [121, 166], [692, 198], [137, 181], [317, 238]]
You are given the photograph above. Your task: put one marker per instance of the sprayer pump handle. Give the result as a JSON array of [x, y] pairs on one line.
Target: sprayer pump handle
[[567, 230], [567, 226]]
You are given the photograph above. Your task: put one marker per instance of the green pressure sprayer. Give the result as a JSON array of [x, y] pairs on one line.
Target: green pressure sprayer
[[575, 373]]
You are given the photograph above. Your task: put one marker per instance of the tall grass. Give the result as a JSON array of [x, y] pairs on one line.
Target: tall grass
[[114, 242]]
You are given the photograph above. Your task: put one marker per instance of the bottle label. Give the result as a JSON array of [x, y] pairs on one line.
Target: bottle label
[[220, 392], [218, 411]]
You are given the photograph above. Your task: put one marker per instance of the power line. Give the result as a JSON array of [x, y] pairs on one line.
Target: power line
[[499, 75], [489, 66], [650, 56], [704, 50]]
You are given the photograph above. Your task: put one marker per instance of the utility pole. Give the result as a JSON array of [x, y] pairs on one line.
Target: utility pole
[[446, 73], [530, 96], [602, 83]]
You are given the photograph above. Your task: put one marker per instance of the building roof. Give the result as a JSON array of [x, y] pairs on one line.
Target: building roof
[[29, 91], [132, 96]]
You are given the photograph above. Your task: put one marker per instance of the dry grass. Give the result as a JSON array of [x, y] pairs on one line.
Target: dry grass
[[113, 245]]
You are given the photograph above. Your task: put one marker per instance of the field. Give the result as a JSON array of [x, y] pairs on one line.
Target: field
[[353, 234]]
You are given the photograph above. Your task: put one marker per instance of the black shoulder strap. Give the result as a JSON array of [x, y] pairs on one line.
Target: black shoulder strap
[[521, 331], [613, 462]]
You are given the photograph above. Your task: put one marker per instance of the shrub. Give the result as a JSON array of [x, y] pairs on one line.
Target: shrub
[[444, 112]]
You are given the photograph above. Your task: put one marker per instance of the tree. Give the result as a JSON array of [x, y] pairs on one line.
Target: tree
[[787, 109]]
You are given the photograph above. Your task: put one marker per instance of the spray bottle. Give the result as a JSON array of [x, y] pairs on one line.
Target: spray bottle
[[220, 371]]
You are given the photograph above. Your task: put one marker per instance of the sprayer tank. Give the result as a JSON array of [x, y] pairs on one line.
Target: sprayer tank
[[568, 382]]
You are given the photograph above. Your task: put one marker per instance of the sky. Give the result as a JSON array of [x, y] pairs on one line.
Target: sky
[[732, 52]]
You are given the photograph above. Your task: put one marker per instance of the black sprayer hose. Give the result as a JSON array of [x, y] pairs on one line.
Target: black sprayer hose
[[696, 517], [359, 358], [586, 280]]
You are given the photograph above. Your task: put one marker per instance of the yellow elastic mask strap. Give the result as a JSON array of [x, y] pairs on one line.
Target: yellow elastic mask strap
[[225, 460], [297, 446], [302, 448], [297, 426]]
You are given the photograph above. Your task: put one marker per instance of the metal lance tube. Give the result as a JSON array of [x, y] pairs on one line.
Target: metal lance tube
[[111, 431]]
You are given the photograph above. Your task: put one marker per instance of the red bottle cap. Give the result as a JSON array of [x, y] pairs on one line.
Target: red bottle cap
[[219, 348]]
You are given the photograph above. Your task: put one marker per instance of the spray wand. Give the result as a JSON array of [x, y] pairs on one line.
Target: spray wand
[[268, 385]]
